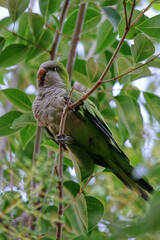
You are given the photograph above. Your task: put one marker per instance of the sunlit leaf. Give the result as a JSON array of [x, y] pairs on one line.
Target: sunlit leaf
[[142, 48], [129, 113], [91, 20], [36, 23], [18, 98], [16, 8], [13, 54], [151, 27], [90, 210], [105, 36], [6, 123], [79, 72], [113, 16], [82, 161], [49, 6], [23, 120], [95, 70], [26, 134]]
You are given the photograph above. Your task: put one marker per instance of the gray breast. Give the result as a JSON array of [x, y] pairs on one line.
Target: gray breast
[[48, 107]]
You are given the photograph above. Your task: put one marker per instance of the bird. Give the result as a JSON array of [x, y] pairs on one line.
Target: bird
[[88, 139]]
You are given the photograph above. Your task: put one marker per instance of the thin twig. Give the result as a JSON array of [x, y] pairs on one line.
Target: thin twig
[[58, 32], [60, 168], [142, 13], [79, 193], [101, 79], [131, 13], [76, 37], [125, 12], [133, 69], [55, 45], [11, 169], [33, 182]]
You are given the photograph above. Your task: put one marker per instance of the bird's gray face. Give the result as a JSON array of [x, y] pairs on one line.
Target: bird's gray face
[[48, 75]]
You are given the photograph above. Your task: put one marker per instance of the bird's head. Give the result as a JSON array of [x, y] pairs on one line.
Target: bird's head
[[52, 73]]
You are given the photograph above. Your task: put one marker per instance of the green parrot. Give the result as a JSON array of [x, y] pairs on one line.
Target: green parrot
[[87, 136]]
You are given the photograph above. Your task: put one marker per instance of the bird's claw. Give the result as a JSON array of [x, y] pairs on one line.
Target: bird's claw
[[62, 138]]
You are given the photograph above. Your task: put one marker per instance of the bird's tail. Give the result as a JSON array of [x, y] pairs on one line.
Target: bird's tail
[[125, 173]]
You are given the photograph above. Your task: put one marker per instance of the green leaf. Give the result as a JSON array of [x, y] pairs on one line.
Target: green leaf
[[36, 23], [16, 8], [54, 147], [95, 69], [151, 27], [113, 16], [155, 63], [140, 73], [5, 22], [13, 54], [109, 2], [43, 40], [26, 134], [90, 210], [72, 187], [123, 65], [18, 98], [3, 3], [125, 49], [95, 211], [23, 120], [79, 72], [91, 20], [105, 36], [6, 122], [2, 42], [1, 78], [48, 7], [134, 31], [82, 209], [82, 162], [142, 48], [153, 103], [82, 237], [129, 112], [24, 28]]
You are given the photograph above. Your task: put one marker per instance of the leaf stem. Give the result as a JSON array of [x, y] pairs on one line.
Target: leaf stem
[[79, 193]]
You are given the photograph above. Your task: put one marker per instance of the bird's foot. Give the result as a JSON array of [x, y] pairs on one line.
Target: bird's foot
[[62, 138]]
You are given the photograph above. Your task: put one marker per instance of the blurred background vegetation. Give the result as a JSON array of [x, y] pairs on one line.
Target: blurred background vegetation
[[130, 106]]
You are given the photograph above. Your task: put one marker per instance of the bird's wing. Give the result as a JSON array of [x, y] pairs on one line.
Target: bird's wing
[[89, 109]]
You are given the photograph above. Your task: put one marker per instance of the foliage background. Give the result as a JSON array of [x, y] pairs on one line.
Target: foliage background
[[130, 106]]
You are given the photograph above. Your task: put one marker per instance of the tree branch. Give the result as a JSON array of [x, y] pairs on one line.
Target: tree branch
[[76, 37], [101, 79], [142, 13], [54, 50], [125, 12], [132, 70], [131, 13], [60, 167]]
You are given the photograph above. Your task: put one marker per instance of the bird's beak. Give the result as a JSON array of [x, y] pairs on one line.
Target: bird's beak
[[40, 76], [41, 73]]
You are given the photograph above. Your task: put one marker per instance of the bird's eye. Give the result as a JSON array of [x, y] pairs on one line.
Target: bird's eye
[[54, 69]]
